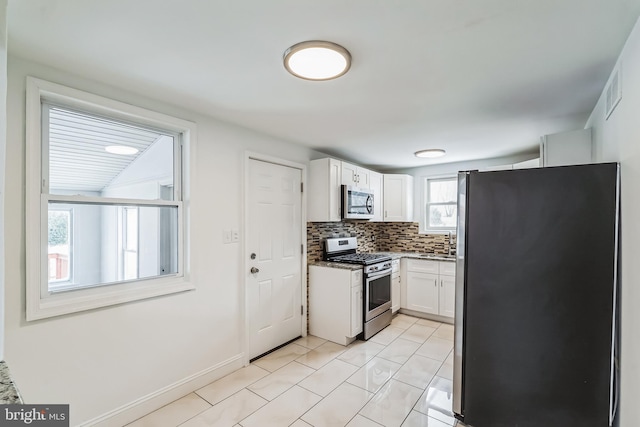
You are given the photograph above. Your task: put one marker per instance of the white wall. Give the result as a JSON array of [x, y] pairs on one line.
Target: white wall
[[618, 139], [102, 359], [3, 140]]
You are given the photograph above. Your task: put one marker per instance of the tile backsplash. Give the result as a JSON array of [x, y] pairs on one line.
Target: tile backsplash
[[376, 237]]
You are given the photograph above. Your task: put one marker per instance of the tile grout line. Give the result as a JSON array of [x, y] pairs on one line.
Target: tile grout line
[[409, 355]]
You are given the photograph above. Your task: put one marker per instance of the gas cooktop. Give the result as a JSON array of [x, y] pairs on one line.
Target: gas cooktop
[[359, 258], [343, 249]]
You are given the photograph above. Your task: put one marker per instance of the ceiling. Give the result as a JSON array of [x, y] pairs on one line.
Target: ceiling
[[479, 78], [77, 157]]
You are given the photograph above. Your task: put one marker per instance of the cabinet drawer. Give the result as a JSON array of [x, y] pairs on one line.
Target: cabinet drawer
[[422, 266], [447, 268], [395, 265]]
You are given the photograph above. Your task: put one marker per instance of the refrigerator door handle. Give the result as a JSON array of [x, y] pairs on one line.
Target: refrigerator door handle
[[615, 370], [463, 179]]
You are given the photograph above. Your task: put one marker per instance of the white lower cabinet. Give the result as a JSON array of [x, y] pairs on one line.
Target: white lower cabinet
[[357, 307], [395, 285], [335, 303], [447, 296], [422, 292], [429, 287]]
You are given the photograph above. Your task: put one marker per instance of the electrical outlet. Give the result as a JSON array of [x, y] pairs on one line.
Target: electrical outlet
[[235, 235]]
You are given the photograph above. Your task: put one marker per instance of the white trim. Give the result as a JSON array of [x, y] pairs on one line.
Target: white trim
[[101, 105], [129, 412], [55, 304], [248, 156], [422, 222], [435, 317], [90, 200]]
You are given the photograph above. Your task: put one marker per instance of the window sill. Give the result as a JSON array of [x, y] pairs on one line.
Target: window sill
[[438, 231], [86, 299]]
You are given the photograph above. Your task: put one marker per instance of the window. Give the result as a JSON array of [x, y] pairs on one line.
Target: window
[[109, 180], [441, 210], [59, 246], [130, 243]]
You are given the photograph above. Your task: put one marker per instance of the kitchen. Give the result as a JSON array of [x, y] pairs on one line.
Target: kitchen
[[139, 340]]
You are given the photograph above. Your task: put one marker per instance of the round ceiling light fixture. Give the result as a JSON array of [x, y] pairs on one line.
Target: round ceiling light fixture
[[317, 60], [121, 149], [431, 153]]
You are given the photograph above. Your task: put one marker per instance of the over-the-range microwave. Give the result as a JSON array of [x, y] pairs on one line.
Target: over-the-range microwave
[[357, 203]]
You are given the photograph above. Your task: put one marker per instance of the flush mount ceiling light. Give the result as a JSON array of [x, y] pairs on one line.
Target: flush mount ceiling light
[[430, 154], [121, 149], [317, 60]]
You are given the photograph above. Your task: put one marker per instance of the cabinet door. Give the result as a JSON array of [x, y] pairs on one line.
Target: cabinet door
[[363, 178], [349, 174], [422, 292], [357, 307], [447, 296], [324, 201], [398, 198], [395, 292], [335, 191]]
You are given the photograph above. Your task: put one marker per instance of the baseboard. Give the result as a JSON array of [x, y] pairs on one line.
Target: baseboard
[[435, 317], [153, 401]]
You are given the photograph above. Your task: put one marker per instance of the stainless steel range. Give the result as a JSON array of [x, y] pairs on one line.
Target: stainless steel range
[[376, 281]]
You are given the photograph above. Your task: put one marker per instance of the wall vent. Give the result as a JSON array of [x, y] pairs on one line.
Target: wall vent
[[613, 92]]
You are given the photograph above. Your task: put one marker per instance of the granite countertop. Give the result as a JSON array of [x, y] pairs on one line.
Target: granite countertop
[[419, 255], [393, 255], [341, 265], [8, 390]]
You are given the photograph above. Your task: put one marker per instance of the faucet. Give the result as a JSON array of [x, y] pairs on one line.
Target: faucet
[[452, 250]]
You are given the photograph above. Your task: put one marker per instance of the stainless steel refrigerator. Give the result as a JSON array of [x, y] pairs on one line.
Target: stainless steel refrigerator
[[536, 329]]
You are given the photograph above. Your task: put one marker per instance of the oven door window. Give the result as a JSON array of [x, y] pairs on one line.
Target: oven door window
[[379, 291]]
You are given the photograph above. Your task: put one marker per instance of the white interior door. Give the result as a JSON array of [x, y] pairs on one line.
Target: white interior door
[[274, 252]]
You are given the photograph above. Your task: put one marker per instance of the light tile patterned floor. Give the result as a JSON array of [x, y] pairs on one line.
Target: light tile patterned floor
[[400, 377]]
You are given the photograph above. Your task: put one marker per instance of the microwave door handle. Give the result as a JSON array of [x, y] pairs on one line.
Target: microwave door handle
[[369, 204]]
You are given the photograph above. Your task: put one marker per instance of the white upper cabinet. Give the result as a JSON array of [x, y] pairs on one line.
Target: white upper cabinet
[[326, 177], [566, 148], [323, 197], [355, 175], [398, 198]]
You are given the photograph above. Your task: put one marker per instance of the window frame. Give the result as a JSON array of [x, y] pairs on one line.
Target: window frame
[[426, 205], [42, 303]]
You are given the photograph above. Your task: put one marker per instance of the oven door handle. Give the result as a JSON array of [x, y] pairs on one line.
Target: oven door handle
[[379, 273]]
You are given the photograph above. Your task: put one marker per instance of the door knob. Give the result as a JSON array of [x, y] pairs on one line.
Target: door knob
[[254, 270]]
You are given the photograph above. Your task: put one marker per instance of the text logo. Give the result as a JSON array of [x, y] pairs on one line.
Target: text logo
[[34, 415]]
